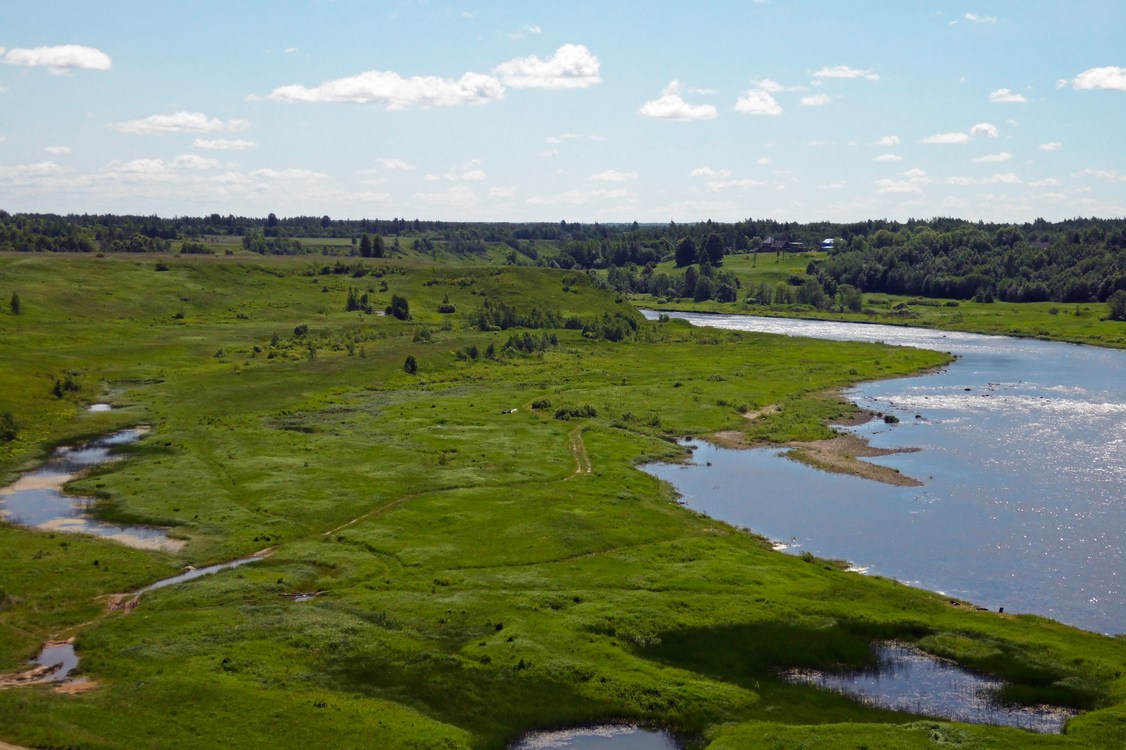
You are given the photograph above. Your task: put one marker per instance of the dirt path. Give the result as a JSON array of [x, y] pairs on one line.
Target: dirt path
[[578, 450]]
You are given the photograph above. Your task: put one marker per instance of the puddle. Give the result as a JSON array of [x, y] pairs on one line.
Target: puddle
[[606, 737], [36, 499], [60, 657], [99, 407], [910, 680]]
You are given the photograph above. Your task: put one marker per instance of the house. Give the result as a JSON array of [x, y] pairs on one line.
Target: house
[[827, 244]]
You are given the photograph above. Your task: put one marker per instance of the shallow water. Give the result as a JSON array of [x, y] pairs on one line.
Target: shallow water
[[909, 680], [58, 655], [1023, 464], [36, 499], [190, 575], [606, 737]]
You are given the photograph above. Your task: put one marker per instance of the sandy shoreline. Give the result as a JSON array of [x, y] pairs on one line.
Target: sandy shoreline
[[841, 454]]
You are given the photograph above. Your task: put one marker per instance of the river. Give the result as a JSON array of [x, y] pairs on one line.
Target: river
[[1022, 455]]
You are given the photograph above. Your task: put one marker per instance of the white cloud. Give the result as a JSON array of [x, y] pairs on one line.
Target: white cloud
[[915, 180], [717, 185], [582, 197], [23, 172], [1008, 178], [816, 100], [975, 18], [990, 158], [1051, 146], [773, 87], [762, 161], [395, 92], [709, 172], [571, 67], [670, 106], [844, 71], [613, 175], [1110, 175], [555, 139], [457, 196], [888, 140], [1007, 96], [288, 175], [469, 175], [1110, 78], [758, 103], [192, 161], [984, 128], [889, 157], [524, 31], [395, 164], [57, 150], [60, 60], [947, 138], [290, 50], [502, 192], [1046, 182], [222, 144], [181, 122]]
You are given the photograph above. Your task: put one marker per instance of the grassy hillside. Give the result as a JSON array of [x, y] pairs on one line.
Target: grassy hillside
[[486, 567]]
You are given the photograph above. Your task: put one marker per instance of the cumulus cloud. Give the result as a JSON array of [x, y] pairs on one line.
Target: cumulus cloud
[[947, 138], [556, 139], [772, 86], [1110, 175], [1051, 146], [982, 128], [60, 60], [582, 197], [468, 175], [23, 172], [709, 172], [222, 144], [888, 140], [1006, 96], [613, 175], [670, 106], [524, 31], [889, 157], [975, 18], [844, 71], [57, 150], [758, 102], [990, 158], [572, 66], [715, 186], [1008, 178], [912, 182], [1110, 78], [816, 100], [395, 164], [193, 161], [395, 92], [180, 122]]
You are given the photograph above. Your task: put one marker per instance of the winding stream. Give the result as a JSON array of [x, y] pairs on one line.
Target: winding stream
[[36, 499], [1023, 463]]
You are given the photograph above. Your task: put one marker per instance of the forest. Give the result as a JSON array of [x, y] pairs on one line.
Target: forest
[[1078, 260]]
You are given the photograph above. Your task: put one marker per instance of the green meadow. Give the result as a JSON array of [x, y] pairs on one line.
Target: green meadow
[[487, 556]]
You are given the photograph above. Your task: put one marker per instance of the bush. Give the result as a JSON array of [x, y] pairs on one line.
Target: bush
[[399, 307], [9, 427], [410, 366]]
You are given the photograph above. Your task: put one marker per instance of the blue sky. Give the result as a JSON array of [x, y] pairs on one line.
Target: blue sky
[[583, 111]]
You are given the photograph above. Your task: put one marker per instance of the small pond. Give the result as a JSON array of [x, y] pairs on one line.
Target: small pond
[[61, 657], [909, 680], [605, 737], [36, 499]]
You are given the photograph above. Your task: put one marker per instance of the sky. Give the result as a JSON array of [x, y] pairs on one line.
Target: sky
[[652, 111]]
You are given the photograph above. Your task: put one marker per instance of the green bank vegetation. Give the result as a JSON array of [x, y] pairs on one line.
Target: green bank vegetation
[[488, 556]]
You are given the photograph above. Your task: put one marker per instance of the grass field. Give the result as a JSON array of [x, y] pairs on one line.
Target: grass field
[[487, 568]]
